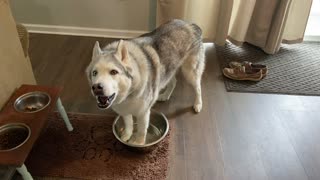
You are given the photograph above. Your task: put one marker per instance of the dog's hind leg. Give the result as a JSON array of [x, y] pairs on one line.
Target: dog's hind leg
[[128, 127], [166, 94], [192, 70]]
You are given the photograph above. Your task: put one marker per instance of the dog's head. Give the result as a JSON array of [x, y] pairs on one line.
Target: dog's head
[[109, 75]]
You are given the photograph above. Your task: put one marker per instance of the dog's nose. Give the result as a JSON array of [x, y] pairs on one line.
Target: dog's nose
[[97, 86], [97, 89]]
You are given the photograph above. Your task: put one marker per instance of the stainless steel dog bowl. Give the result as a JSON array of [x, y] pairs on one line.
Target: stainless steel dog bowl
[[13, 135], [32, 102], [158, 129]]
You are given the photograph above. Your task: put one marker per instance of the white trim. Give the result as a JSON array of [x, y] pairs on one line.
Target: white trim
[[311, 38], [82, 31]]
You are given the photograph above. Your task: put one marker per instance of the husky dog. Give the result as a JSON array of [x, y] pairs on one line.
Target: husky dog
[[128, 75]]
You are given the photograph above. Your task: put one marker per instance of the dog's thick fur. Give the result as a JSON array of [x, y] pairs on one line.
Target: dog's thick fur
[[143, 66]]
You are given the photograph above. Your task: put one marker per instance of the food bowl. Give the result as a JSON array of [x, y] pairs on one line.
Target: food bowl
[[13, 135], [32, 102], [158, 129]]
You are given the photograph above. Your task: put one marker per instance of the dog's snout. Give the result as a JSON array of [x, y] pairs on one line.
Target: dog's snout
[[97, 89]]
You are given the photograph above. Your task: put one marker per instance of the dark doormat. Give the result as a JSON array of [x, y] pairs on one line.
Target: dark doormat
[[92, 152], [295, 69]]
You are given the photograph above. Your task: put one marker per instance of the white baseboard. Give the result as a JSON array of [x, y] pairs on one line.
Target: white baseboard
[[82, 31], [311, 38]]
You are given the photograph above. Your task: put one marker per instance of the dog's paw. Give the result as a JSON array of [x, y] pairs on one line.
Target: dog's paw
[[197, 107], [126, 136], [137, 140]]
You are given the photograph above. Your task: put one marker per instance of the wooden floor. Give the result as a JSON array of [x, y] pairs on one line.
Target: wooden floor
[[237, 136]]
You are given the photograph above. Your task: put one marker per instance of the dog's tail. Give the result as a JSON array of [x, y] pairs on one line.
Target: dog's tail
[[197, 37], [197, 30]]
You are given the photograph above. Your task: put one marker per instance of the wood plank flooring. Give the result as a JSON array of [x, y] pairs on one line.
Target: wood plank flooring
[[237, 136]]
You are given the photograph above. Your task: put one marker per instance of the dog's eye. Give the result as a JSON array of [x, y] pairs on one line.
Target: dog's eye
[[94, 73], [114, 72]]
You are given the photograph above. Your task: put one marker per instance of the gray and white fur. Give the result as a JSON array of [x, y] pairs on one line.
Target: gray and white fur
[[127, 75]]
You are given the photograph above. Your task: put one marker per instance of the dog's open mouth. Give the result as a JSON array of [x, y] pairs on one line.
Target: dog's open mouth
[[105, 102]]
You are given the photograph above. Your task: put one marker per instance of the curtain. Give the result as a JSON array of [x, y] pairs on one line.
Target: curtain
[[263, 23]]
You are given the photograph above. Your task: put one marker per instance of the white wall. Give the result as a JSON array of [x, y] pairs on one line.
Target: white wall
[[106, 14]]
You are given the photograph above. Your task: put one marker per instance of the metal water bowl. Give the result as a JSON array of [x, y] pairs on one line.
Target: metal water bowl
[[32, 102], [158, 129], [13, 135]]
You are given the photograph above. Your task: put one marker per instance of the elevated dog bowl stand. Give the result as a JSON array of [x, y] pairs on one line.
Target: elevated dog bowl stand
[[36, 121]]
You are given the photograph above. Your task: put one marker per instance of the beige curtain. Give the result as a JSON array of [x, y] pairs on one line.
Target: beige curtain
[[15, 68], [263, 23]]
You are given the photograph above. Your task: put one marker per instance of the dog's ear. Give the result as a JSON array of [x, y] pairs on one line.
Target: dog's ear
[[96, 50], [122, 52]]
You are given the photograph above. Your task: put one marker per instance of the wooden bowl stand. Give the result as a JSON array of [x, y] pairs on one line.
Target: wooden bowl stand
[[36, 121]]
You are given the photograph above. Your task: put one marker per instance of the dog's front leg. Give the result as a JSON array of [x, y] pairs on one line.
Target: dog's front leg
[[128, 127], [142, 127]]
